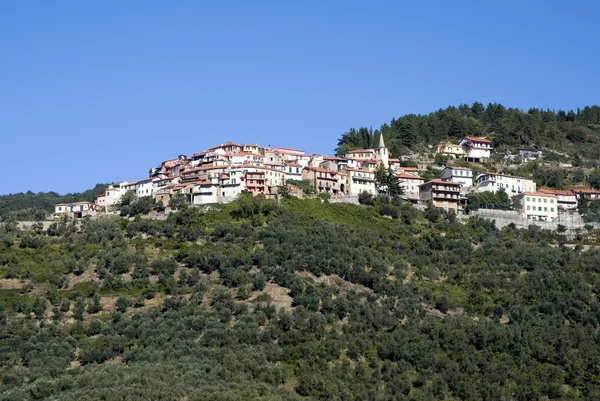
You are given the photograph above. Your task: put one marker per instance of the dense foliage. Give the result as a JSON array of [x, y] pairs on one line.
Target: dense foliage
[[297, 300], [575, 133], [32, 206]]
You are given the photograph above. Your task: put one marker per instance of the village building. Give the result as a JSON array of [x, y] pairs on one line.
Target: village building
[[410, 185], [74, 209], [476, 149], [323, 180], [565, 199], [462, 175], [354, 181], [450, 150], [443, 194], [537, 206], [587, 193], [408, 170], [511, 184]]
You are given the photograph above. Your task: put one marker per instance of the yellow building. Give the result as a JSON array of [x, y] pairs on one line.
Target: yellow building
[[451, 150]]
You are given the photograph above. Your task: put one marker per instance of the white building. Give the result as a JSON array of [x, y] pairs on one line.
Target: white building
[[511, 184], [354, 181], [538, 206], [565, 200], [464, 176], [476, 149], [114, 193], [410, 185]]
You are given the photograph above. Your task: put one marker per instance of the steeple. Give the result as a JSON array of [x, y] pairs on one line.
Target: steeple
[[382, 152]]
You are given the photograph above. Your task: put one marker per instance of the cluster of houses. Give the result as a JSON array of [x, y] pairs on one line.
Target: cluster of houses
[[221, 173]]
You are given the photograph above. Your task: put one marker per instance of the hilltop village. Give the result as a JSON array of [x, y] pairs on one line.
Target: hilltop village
[[221, 173]]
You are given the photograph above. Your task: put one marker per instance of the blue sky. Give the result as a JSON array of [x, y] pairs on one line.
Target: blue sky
[[102, 91]]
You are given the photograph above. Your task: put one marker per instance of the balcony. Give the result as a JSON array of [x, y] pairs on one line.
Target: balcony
[[446, 188]]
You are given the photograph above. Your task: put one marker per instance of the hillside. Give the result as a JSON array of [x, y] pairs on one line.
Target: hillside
[[571, 133], [36, 206], [297, 300]]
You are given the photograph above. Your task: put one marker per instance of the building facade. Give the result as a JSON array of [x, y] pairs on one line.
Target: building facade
[[538, 206], [462, 175], [476, 149], [511, 184], [440, 193]]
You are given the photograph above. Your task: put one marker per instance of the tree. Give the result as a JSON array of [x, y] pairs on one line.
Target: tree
[[122, 303], [178, 201], [386, 181]]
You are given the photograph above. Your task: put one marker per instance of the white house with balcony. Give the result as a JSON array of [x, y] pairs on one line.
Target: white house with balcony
[[476, 149], [538, 206], [511, 184]]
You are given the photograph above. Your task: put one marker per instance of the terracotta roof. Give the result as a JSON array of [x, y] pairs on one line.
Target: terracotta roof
[[361, 151], [556, 191], [410, 176], [586, 190], [474, 139], [536, 194], [437, 181], [355, 169], [319, 169], [294, 164]]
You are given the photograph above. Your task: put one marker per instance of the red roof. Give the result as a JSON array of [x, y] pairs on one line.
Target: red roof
[[586, 190], [556, 191], [437, 181], [410, 176], [472, 139], [362, 151], [536, 194]]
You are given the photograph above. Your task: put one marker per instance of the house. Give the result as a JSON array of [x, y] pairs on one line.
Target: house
[[143, 187], [410, 185], [587, 193], [101, 202], [511, 184], [450, 150], [361, 154], [323, 180], [537, 206], [440, 193], [529, 154], [462, 175], [74, 209], [565, 200], [114, 193], [476, 149], [293, 171], [408, 170], [354, 181]]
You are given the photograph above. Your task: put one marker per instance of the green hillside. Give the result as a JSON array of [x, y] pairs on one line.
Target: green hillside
[[297, 300], [573, 133], [36, 206]]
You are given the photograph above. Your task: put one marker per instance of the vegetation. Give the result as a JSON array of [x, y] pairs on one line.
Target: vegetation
[[574, 133], [297, 299], [31, 206]]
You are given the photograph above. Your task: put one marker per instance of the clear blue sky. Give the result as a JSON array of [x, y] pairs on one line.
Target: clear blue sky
[[102, 91]]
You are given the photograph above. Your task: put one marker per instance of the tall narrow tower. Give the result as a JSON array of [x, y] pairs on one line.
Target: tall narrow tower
[[382, 152]]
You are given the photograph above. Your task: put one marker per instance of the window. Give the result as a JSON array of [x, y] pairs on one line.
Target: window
[[551, 209], [545, 200], [528, 207], [539, 208], [60, 208], [528, 199], [551, 200], [545, 209]]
